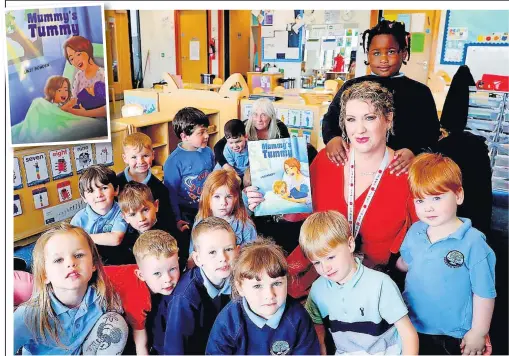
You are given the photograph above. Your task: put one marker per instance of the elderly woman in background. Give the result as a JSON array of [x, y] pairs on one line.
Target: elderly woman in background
[[261, 125]]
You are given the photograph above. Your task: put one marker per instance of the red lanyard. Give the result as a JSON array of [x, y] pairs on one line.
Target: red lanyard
[[351, 192]]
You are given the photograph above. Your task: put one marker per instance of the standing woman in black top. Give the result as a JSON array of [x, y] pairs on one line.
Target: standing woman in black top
[[416, 125], [261, 125]]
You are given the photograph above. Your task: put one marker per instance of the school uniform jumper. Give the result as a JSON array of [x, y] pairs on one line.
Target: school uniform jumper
[[185, 318], [239, 331]]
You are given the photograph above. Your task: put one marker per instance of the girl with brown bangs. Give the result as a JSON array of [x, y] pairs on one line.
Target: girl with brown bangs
[[221, 198], [261, 319], [73, 308]]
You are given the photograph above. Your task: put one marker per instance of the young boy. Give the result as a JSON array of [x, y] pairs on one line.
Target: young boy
[[138, 155], [101, 218], [184, 320], [235, 152], [139, 210], [450, 284], [188, 165], [156, 254], [362, 309]]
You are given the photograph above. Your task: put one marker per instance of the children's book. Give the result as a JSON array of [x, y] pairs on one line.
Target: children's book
[[57, 74], [280, 170]]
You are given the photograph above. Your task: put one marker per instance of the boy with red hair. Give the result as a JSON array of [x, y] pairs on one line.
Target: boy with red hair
[[450, 284]]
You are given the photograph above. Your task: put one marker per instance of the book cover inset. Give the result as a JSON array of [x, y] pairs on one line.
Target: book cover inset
[[57, 78], [280, 170]]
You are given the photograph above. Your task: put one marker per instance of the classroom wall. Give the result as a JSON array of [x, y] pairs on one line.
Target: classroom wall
[[452, 69]]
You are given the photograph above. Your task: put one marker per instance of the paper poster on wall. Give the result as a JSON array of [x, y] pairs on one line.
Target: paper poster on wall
[[194, 50], [269, 18], [36, 169], [40, 197], [282, 114], [293, 53], [18, 182], [457, 33], [313, 44], [417, 22], [64, 191], [329, 44], [332, 16], [348, 42], [307, 135], [306, 119], [82, 157], [104, 153], [341, 41], [17, 205], [60, 161], [391, 17], [247, 111], [267, 31], [269, 47], [417, 42], [294, 118], [294, 133], [405, 19]]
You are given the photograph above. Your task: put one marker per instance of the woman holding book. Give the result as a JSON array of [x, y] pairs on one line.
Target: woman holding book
[[378, 205]]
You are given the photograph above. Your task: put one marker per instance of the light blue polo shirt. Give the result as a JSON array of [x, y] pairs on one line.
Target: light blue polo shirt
[[443, 276], [129, 178], [260, 322], [94, 223], [360, 314], [76, 325], [238, 160], [212, 291]]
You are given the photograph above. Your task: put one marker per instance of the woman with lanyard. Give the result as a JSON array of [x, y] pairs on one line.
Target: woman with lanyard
[[378, 205]]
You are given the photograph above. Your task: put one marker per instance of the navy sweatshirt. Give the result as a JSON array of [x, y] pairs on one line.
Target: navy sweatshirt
[[234, 333], [416, 124], [184, 318]]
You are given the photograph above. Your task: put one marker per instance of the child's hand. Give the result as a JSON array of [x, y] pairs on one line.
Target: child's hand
[[254, 197], [69, 104], [182, 225], [337, 150], [473, 343], [227, 166], [401, 161]]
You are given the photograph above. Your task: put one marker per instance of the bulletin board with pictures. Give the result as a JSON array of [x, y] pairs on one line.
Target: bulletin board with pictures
[[302, 120], [464, 28], [46, 183]]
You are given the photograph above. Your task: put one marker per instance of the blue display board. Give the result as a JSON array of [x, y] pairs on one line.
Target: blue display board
[[464, 28], [294, 41]]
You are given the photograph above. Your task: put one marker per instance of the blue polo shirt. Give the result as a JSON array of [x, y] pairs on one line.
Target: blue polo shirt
[[239, 331], [76, 324], [94, 223], [184, 318], [238, 160], [442, 278], [360, 314]]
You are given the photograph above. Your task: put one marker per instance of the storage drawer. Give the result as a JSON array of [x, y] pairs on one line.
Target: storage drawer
[[486, 125], [483, 113]]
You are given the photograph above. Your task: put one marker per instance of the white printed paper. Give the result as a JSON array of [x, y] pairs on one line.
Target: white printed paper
[[313, 45], [40, 197], [269, 48], [417, 22], [18, 182], [306, 119], [307, 135], [82, 157], [247, 111], [60, 161], [17, 205], [294, 118], [36, 169], [64, 191], [267, 31], [282, 114], [329, 44], [104, 153], [194, 50]]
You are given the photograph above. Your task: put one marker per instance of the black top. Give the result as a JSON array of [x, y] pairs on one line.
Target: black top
[[219, 146], [416, 124], [165, 217]]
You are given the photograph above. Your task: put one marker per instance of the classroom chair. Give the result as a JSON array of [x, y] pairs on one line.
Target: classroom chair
[[217, 81], [258, 90], [279, 89]]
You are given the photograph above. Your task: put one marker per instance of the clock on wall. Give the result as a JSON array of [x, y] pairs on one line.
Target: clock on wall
[[347, 15]]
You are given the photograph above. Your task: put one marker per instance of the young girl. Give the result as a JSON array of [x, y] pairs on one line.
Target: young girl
[[416, 125], [221, 197], [261, 320], [57, 90], [73, 308]]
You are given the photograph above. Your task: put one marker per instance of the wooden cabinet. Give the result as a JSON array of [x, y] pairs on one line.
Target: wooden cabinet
[[264, 80]]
